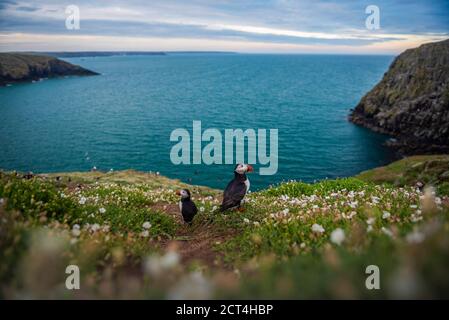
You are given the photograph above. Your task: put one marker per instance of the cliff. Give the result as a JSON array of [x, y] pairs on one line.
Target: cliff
[[18, 67], [411, 102]]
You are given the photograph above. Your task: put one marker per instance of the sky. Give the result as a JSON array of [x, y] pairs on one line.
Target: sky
[[252, 26]]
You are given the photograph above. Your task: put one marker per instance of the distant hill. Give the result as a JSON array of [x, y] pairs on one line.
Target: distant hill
[[63, 54], [411, 102], [78, 54], [19, 67]]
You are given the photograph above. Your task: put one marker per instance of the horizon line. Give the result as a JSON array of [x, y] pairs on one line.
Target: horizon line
[[198, 52]]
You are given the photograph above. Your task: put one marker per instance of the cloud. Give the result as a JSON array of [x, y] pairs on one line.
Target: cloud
[[323, 23], [27, 8]]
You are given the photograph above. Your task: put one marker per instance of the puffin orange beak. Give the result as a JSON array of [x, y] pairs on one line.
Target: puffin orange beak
[[250, 168], [178, 193]]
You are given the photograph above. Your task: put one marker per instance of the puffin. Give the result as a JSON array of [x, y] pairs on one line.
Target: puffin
[[237, 189], [186, 206]]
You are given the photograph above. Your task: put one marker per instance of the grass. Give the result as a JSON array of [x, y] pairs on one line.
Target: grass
[[294, 240], [431, 169]]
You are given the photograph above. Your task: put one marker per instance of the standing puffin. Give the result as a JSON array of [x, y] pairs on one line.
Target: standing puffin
[[186, 206], [237, 189]]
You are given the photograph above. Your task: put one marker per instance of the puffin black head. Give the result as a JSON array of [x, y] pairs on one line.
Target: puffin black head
[[184, 193], [242, 168]]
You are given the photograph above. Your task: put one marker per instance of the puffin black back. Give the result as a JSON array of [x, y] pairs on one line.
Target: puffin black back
[[187, 207]]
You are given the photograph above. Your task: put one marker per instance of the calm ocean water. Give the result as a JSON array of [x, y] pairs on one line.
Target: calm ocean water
[[123, 118]]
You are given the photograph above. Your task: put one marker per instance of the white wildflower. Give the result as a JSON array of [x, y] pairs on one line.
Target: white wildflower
[[387, 232], [82, 200], [386, 215], [146, 225], [354, 204], [145, 233], [193, 286], [369, 228], [349, 216], [170, 260], [338, 236], [154, 265], [76, 230], [317, 228], [245, 220], [102, 210]]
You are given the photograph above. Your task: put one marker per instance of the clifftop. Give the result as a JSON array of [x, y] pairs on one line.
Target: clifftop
[[124, 227], [411, 102], [17, 67]]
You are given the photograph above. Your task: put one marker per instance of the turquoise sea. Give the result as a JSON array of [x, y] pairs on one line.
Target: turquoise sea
[[123, 118]]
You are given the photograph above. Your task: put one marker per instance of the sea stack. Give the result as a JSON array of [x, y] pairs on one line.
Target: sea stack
[[411, 102]]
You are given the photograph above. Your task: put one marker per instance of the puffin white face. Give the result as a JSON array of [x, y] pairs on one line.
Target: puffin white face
[[183, 193], [243, 168]]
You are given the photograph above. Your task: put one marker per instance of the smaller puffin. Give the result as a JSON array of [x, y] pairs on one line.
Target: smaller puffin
[[186, 206], [237, 189], [28, 176]]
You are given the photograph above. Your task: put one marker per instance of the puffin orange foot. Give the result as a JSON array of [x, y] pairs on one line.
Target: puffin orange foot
[[241, 209]]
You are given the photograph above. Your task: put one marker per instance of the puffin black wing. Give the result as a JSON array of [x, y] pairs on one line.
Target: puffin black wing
[[233, 194], [188, 211]]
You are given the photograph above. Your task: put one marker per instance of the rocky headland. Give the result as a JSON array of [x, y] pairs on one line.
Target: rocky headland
[[22, 67], [411, 102]]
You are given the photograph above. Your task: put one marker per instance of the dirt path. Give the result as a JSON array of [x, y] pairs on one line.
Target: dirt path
[[194, 243]]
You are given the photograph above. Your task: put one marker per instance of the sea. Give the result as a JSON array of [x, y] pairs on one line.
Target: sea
[[124, 117]]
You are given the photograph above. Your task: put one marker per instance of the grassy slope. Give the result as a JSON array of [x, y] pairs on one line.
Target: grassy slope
[[427, 169], [96, 221]]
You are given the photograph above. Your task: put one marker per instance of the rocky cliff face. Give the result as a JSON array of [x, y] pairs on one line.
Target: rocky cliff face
[[411, 102], [17, 67]]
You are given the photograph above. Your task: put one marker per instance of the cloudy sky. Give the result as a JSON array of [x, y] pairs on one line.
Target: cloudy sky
[[266, 26]]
